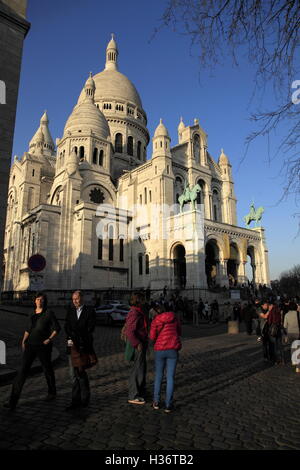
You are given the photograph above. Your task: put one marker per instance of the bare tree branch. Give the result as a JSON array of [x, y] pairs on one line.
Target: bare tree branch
[[269, 29]]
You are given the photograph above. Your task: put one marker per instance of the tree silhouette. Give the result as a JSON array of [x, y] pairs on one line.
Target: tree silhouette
[[269, 31]]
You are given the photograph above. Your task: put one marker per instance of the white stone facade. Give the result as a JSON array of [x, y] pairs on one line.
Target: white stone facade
[[98, 176]]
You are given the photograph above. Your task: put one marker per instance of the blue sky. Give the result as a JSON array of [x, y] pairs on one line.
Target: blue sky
[[68, 39]]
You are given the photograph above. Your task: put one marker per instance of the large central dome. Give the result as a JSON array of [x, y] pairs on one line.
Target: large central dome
[[112, 84]]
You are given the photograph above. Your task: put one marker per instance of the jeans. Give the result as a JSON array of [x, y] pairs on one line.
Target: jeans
[[275, 349], [43, 352], [165, 360], [80, 385], [137, 378]]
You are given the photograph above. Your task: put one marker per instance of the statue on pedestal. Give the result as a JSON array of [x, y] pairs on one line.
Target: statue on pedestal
[[189, 195], [254, 215]]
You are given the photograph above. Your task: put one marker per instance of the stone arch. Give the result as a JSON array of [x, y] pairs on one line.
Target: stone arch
[[252, 260], [178, 186], [233, 263], [213, 254], [130, 145], [11, 204], [56, 197], [119, 143], [178, 257], [201, 196], [196, 147], [216, 204]]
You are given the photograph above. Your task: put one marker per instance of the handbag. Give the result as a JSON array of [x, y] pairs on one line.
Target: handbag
[[129, 351], [83, 360], [274, 330]]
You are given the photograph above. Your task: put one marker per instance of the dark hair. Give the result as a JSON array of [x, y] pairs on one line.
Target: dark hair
[[137, 298], [41, 294], [293, 306]]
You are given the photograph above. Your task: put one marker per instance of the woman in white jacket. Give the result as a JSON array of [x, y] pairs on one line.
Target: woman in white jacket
[[292, 328]]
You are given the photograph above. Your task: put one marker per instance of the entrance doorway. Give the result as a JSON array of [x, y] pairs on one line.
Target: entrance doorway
[[211, 263], [232, 265], [179, 266]]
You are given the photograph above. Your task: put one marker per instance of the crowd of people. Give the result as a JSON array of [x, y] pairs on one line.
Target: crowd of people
[[163, 331], [275, 322]]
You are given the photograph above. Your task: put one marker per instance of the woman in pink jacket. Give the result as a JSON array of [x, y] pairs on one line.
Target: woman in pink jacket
[[165, 332]]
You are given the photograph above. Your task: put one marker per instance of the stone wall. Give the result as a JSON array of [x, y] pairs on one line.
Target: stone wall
[[13, 29]]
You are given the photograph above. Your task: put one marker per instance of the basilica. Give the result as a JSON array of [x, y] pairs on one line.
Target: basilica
[[104, 216]]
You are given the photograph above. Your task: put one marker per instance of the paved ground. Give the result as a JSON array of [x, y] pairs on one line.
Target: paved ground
[[226, 398]]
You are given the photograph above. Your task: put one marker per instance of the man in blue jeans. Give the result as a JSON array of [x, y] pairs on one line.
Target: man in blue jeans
[[165, 332]]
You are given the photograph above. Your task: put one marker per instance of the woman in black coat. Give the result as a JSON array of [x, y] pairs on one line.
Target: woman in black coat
[[41, 329]]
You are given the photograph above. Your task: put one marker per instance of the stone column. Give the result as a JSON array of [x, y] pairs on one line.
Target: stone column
[[242, 272], [224, 282], [210, 215], [265, 270]]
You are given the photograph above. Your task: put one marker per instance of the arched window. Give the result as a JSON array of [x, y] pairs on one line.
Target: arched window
[[196, 148], [200, 195], [81, 153], [130, 145], [95, 156], [101, 158], [215, 213], [215, 203], [76, 149], [139, 144], [140, 264], [178, 188], [111, 243], [150, 196], [121, 249], [145, 193], [147, 264], [119, 143], [100, 248]]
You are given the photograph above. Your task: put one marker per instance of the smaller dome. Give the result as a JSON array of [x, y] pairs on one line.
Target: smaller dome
[[223, 159], [112, 43], [44, 118], [181, 125], [39, 137], [161, 130], [86, 115], [90, 82]]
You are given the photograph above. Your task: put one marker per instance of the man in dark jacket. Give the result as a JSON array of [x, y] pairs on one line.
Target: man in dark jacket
[[248, 314], [79, 327], [137, 335]]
